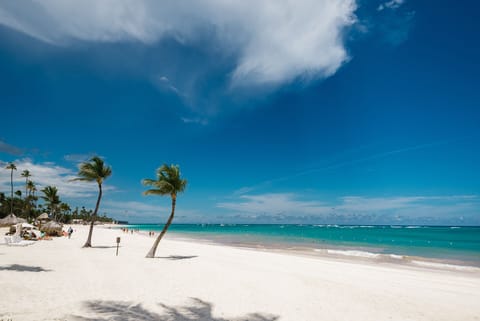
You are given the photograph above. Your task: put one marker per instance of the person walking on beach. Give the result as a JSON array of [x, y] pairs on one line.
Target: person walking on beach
[[70, 231]]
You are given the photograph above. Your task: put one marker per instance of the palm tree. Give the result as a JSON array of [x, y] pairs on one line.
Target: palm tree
[[31, 188], [168, 182], [11, 167], [94, 170], [51, 198], [26, 174]]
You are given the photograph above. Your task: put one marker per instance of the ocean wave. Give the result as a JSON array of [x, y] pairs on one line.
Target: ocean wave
[[397, 258], [356, 226], [354, 253]]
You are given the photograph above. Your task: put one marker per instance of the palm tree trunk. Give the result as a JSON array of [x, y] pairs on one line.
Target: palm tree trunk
[[11, 195], [26, 196], [151, 253], [94, 216]]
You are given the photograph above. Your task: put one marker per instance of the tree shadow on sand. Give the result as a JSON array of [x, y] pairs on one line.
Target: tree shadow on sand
[[105, 247], [126, 311], [176, 257], [23, 268]]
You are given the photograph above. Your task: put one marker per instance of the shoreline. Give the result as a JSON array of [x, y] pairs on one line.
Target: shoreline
[[340, 253], [59, 280], [325, 250]]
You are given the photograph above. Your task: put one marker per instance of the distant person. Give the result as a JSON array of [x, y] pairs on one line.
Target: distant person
[[70, 231]]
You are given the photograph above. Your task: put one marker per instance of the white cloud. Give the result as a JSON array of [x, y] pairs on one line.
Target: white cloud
[[392, 4], [200, 121], [45, 174], [144, 212], [273, 42], [378, 204], [163, 83], [355, 209], [133, 209], [274, 204], [10, 149]]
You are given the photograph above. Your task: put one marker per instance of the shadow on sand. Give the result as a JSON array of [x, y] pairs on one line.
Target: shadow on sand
[[126, 311], [176, 257], [23, 268], [105, 247]]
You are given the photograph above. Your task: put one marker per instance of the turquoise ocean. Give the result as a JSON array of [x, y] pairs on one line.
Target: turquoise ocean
[[449, 244]]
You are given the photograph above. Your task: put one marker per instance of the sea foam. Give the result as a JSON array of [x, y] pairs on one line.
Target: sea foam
[[354, 253]]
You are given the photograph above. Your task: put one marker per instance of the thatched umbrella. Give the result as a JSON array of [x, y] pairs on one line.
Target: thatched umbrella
[[43, 216], [11, 219], [52, 228]]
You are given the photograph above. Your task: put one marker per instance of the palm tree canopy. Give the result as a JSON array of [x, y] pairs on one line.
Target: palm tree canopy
[[168, 182], [26, 173], [51, 195], [11, 166], [30, 185], [94, 170]]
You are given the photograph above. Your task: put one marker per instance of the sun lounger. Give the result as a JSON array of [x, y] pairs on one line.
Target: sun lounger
[[17, 241]]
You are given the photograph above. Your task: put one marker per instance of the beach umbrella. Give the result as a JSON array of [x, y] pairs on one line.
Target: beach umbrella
[[43, 216], [11, 219], [52, 228], [26, 225]]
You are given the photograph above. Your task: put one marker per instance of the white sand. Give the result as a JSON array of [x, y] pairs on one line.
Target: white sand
[[213, 282]]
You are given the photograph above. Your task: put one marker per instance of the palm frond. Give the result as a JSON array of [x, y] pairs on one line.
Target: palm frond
[[93, 170], [26, 173], [11, 166], [168, 181]]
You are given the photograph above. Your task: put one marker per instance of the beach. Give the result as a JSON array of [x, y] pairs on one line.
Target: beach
[[191, 280]]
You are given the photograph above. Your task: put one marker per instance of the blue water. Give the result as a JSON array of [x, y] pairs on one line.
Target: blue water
[[436, 242]]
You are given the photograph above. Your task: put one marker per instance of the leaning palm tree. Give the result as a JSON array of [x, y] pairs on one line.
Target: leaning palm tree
[[168, 182], [11, 167], [94, 170]]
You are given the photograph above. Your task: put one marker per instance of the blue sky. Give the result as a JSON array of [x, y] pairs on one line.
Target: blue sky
[[313, 111]]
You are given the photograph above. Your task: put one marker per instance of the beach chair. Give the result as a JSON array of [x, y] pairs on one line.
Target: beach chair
[[17, 241]]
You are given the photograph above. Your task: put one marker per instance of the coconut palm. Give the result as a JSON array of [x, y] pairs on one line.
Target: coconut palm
[[26, 174], [11, 167], [31, 188], [51, 198], [168, 182], [94, 170]]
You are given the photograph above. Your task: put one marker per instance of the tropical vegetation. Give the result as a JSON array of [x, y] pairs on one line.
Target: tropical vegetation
[[52, 200], [11, 167], [29, 208]]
